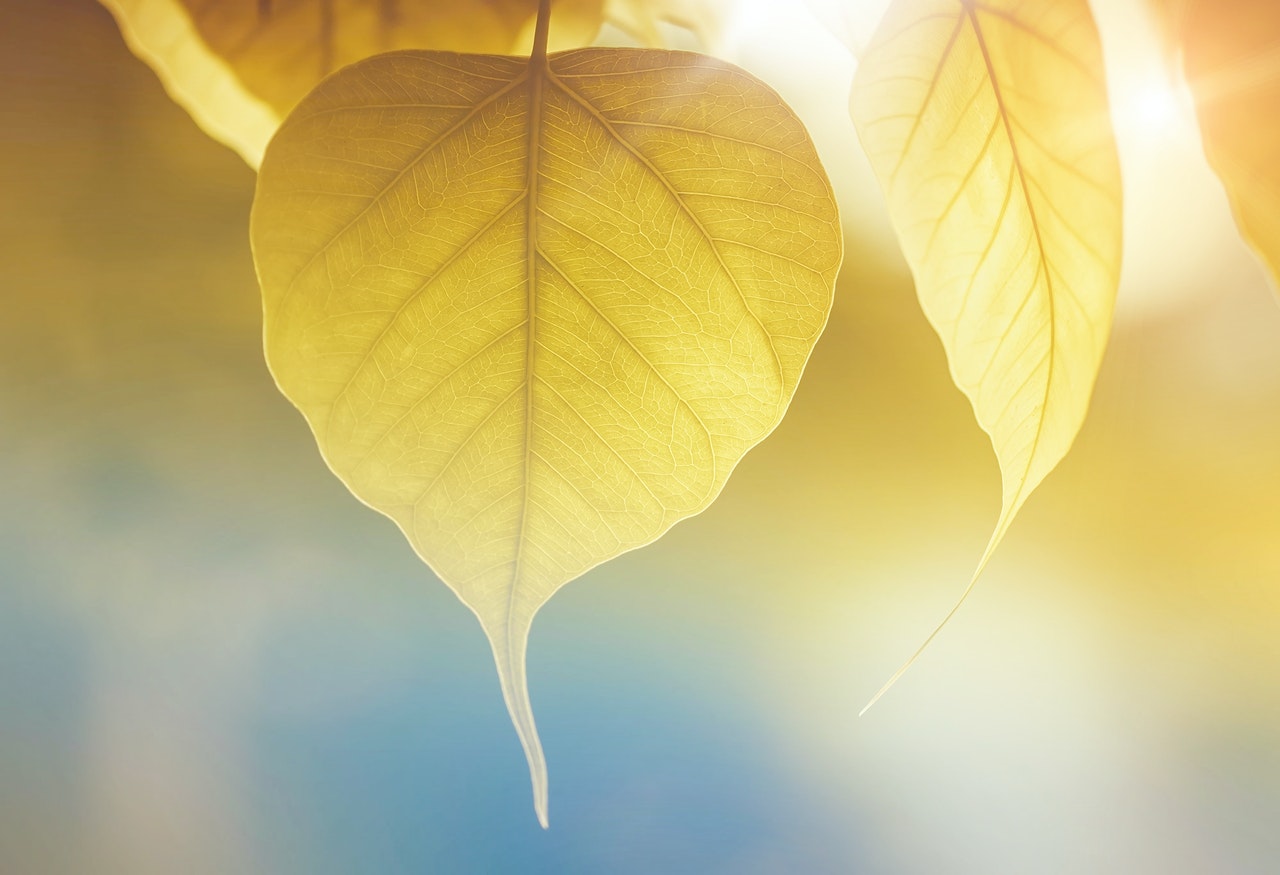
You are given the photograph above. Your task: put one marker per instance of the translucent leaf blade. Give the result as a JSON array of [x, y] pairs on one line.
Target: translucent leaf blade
[[535, 365], [1230, 52], [239, 66], [988, 128], [706, 19]]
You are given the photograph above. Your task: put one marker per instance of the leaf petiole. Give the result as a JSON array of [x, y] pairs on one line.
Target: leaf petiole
[[538, 57]]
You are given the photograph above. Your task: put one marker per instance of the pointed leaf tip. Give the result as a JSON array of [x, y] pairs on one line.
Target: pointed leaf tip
[[988, 127], [509, 641], [536, 314]]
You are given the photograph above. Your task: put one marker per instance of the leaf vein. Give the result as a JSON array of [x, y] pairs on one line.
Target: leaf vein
[[376, 198], [626, 144]]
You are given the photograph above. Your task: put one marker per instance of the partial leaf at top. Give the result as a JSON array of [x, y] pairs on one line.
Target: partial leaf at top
[[536, 312], [239, 66], [706, 19], [987, 125], [1230, 52]]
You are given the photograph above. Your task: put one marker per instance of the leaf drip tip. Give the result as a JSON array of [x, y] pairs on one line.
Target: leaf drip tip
[[919, 650]]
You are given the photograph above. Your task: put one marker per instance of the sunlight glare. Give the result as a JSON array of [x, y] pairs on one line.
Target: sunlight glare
[[1178, 227], [1155, 106]]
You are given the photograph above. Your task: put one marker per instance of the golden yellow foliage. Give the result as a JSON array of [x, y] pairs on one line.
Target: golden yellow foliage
[[641, 18], [536, 311], [1230, 51], [987, 126], [239, 66]]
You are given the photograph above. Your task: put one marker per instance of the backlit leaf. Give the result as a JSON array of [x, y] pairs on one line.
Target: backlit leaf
[[536, 313], [239, 66], [1230, 52], [987, 126], [706, 19], [850, 21]]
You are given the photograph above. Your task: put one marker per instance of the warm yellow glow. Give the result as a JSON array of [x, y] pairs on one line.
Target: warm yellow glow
[[1230, 54], [1177, 223], [1155, 106], [1148, 101], [553, 311], [239, 66], [852, 21], [999, 165], [162, 33]]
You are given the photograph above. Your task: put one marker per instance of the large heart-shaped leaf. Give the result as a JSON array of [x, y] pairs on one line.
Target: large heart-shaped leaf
[[536, 312], [987, 125]]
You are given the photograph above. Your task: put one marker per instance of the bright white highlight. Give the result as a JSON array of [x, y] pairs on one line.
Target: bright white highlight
[[1154, 105]]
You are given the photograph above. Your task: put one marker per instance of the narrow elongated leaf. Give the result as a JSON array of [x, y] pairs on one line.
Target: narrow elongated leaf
[[536, 312], [1230, 52], [987, 125], [239, 66]]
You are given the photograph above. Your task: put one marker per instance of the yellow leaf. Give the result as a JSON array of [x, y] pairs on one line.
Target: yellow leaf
[[1230, 52], [706, 19], [239, 66], [987, 126], [535, 312]]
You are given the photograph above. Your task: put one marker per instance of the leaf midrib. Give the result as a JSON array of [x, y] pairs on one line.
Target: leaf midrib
[[536, 78], [539, 75], [971, 10]]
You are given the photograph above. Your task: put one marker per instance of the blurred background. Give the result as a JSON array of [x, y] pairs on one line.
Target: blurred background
[[214, 660]]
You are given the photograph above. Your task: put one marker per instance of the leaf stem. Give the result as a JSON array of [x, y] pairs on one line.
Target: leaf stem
[[538, 57]]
